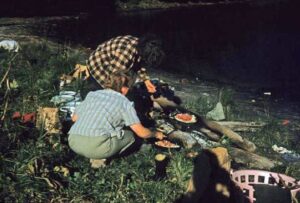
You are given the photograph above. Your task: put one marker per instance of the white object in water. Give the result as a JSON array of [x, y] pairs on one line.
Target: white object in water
[[10, 45]]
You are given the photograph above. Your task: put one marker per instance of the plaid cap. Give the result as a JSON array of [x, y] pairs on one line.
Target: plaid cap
[[114, 55]]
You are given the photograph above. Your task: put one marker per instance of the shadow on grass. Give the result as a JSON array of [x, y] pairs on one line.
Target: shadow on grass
[[211, 183]]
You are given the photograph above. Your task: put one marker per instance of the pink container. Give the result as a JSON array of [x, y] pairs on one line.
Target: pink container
[[245, 179]]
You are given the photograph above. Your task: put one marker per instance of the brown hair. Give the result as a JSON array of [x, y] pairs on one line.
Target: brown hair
[[120, 79]]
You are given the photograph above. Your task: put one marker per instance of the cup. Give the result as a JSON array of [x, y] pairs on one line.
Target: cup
[[161, 163]]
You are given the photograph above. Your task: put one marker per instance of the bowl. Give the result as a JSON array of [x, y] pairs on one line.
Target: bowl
[[175, 146], [71, 93]]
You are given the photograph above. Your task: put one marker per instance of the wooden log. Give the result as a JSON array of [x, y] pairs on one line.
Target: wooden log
[[251, 160], [242, 126], [235, 138], [188, 140], [233, 124], [210, 134], [247, 158], [183, 137], [171, 106]]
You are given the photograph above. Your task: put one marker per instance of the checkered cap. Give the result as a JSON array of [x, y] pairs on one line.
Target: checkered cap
[[114, 55]]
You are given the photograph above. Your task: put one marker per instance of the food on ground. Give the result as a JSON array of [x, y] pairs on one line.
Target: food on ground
[[166, 144], [186, 118]]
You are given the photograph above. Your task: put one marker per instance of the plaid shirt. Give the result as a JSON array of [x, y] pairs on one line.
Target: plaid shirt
[[116, 54]]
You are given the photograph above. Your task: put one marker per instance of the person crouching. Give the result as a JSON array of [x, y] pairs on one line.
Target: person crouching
[[106, 123]]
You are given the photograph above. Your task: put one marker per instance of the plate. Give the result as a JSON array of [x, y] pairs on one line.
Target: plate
[[71, 93], [166, 144], [185, 118]]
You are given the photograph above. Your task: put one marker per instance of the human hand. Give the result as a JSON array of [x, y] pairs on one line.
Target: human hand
[[150, 87], [74, 117], [159, 135]]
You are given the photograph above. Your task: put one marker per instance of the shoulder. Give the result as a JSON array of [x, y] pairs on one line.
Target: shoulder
[[120, 97], [114, 95], [100, 94], [107, 95]]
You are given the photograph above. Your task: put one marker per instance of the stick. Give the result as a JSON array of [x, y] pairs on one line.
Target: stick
[[5, 75], [5, 110], [6, 102], [9, 67]]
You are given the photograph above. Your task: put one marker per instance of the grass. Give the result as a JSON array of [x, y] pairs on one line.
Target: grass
[[37, 167]]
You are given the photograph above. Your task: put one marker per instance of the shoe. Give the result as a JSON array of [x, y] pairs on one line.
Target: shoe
[[98, 163]]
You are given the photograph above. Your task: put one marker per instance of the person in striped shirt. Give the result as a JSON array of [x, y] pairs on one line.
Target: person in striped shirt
[[125, 53], [106, 123]]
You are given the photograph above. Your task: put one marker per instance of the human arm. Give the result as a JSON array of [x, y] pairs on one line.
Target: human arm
[[142, 74], [150, 87], [131, 120], [146, 133], [74, 117]]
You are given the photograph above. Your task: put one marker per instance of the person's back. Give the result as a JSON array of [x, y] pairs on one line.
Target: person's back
[[103, 112], [125, 53]]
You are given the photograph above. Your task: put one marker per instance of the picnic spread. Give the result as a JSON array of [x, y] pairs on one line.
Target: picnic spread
[[224, 161], [184, 129]]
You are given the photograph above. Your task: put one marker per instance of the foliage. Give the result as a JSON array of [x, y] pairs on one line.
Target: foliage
[[37, 167]]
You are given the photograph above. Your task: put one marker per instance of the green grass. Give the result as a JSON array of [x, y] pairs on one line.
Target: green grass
[[29, 157]]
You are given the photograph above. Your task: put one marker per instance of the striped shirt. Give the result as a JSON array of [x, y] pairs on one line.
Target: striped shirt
[[103, 112], [116, 54]]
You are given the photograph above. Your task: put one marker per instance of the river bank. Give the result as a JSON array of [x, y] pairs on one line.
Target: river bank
[[133, 5], [21, 30]]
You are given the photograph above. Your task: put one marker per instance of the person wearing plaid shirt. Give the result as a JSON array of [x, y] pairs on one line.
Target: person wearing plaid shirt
[[125, 53]]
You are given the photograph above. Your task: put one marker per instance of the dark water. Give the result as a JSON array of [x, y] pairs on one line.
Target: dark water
[[240, 44]]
